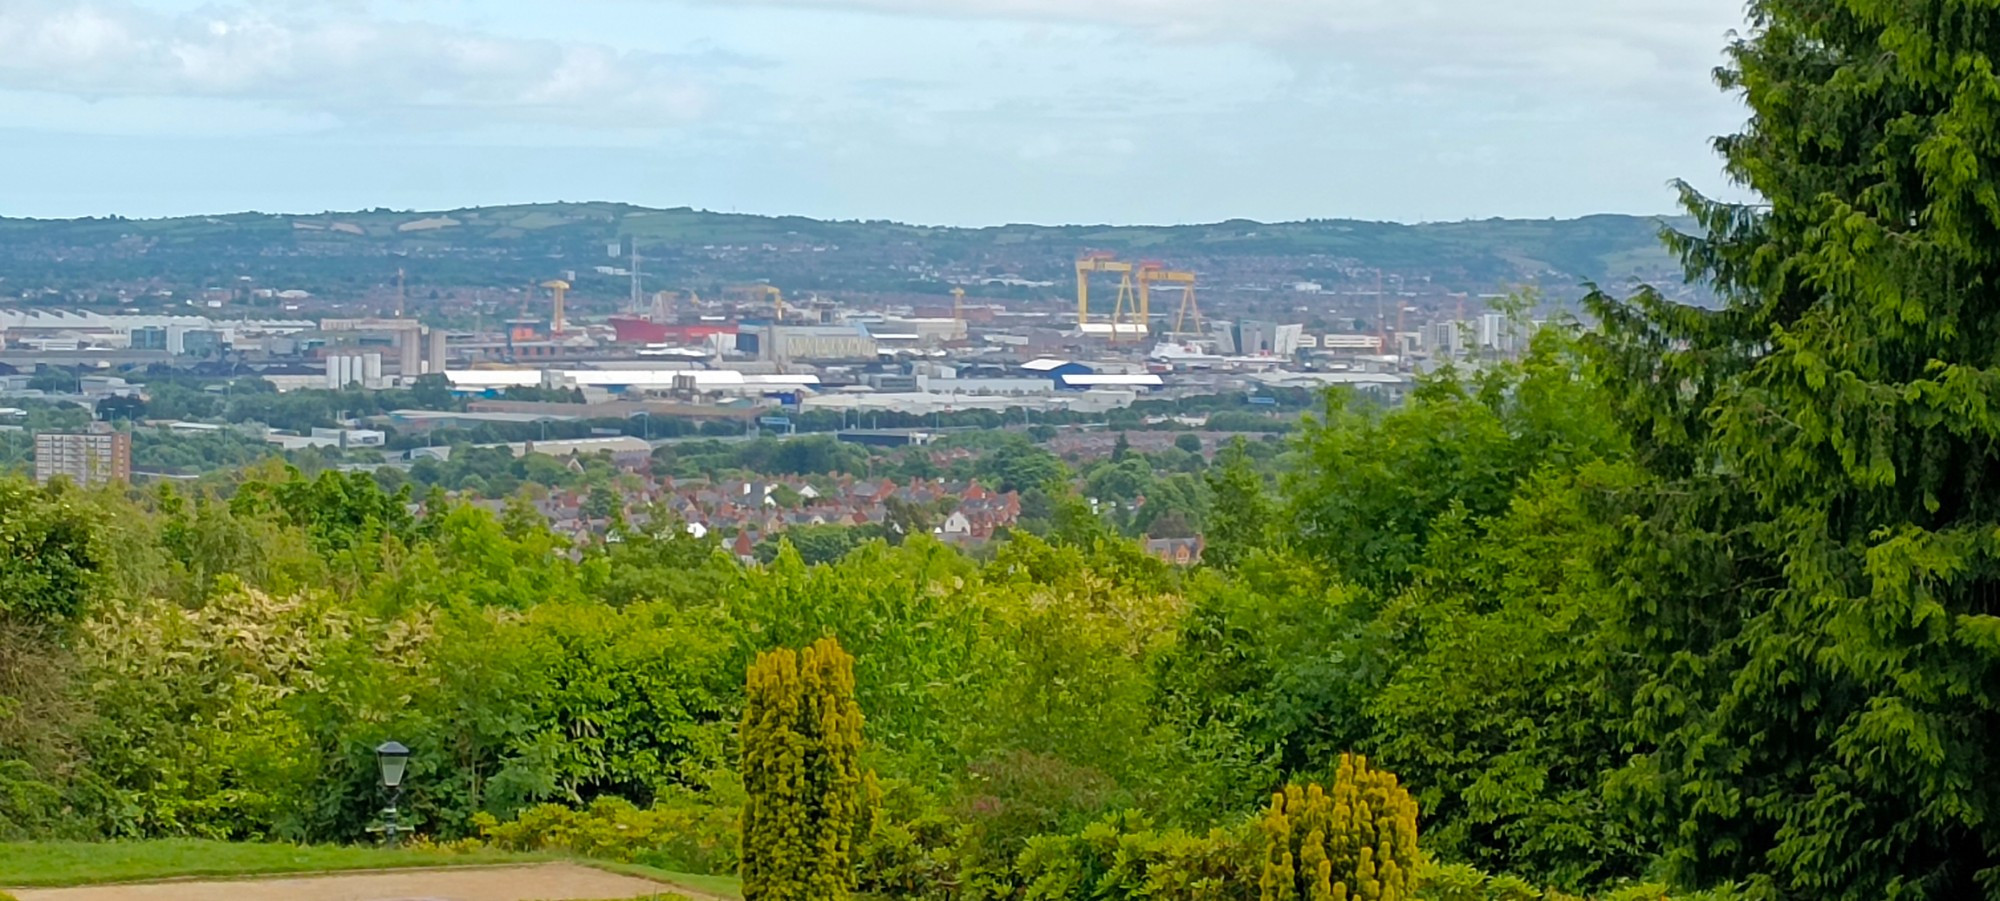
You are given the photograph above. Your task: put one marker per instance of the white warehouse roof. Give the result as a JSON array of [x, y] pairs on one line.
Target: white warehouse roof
[[494, 378], [1139, 380]]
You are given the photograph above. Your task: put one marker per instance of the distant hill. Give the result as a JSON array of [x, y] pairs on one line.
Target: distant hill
[[511, 245]]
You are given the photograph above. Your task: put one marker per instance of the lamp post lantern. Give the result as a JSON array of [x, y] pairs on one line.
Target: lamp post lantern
[[394, 761]]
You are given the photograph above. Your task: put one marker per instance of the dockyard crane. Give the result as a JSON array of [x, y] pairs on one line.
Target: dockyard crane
[[560, 289], [777, 302], [777, 317], [1152, 272], [1127, 292]]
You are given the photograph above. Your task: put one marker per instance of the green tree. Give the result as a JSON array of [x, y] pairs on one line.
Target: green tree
[[816, 544], [1371, 484], [432, 391], [1261, 684], [602, 502], [801, 768], [124, 406], [657, 559], [1489, 703], [1809, 591], [55, 380], [1240, 516], [340, 512], [49, 557], [1124, 480], [1017, 465], [906, 519]]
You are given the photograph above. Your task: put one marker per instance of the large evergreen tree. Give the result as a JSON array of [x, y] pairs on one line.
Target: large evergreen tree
[[1809, 594]]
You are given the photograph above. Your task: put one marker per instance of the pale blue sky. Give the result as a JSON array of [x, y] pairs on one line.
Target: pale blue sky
[[935, 111]]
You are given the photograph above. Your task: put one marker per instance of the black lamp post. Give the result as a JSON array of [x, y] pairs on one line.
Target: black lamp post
[[394, 760]]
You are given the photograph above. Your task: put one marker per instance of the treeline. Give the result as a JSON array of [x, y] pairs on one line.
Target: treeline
[[1445, 587], [222, 666]]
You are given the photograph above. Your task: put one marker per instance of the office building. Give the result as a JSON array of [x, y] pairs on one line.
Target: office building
[[201, 343], [86, 458], [149, 338]]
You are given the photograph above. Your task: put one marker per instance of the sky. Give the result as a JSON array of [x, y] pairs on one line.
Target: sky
[[950, 112]]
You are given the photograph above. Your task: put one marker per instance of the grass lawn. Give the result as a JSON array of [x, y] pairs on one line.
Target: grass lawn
[[53, 864], [46, 864]]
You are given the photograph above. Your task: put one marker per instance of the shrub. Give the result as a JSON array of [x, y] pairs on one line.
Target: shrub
[[676, 834], [1459, 882], [1358, 841], [1122, 856], [801, 769]]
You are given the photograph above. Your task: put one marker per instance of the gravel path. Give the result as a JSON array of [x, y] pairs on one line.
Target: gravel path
[[540, 882]]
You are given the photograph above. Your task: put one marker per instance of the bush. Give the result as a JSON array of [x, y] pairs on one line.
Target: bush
[[1358, 841], [802, 776], [686, 835], [1459, 882], [1016, 796], [1123, 857]]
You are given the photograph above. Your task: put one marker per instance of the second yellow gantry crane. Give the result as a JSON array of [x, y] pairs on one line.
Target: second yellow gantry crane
[[1151, 272], [1128, 297]]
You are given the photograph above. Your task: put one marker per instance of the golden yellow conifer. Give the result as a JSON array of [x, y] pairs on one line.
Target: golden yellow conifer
[[801, 741], [1358, 841]]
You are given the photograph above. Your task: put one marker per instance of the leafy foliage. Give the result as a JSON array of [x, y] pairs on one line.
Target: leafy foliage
[[1807, 593], [48, 555], [683, 835], [1374, 483]]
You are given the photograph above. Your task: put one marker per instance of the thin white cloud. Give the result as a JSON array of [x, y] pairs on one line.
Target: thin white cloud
[[353, 68], [1594, 45]]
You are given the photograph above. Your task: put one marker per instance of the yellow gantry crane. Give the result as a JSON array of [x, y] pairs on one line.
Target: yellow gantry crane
[[1152, 272], [1128, 297], [560, 289], [777, 316], [777, 301]]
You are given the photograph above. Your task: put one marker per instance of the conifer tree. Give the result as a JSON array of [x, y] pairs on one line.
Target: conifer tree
[[1356, 843], [1810, 594], [801, 768]]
